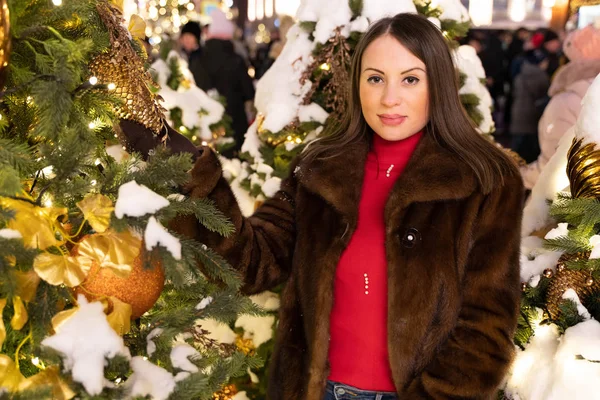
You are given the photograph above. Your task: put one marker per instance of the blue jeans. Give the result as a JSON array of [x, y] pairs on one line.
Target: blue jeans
[[339, 391]]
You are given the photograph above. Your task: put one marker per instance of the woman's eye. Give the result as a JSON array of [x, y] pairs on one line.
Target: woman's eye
[[412, 80], [375, 79]]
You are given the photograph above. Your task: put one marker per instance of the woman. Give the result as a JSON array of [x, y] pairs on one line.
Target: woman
[[397, 235]]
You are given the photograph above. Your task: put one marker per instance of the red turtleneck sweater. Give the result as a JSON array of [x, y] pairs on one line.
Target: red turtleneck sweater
[[358, 352]]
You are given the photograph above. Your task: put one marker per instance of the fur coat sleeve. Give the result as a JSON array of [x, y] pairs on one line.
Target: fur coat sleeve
[[475, 357], [262, 245]]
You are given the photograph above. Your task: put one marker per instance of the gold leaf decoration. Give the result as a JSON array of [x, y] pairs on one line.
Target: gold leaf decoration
[[20, 316], [62, 269], [2, 327], [97, 209], [583, 169], [27, 283], [51, 377], [114, 250], [62, 317], [37, 225], [137, 27], [10, 376], [122, 67], [120, 317]]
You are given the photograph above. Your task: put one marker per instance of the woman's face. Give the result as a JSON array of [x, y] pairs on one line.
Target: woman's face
[[394, 94]]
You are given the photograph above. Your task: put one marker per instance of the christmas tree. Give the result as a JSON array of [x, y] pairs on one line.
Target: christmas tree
[[559, 333], [197, 115], [99, 297]]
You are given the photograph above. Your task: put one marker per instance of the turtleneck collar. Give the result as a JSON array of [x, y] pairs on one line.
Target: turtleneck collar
[[385, 153]]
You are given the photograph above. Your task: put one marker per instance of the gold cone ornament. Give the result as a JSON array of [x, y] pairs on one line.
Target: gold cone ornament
[[123, 70], [109, 275], [583, 169], [563, 279]]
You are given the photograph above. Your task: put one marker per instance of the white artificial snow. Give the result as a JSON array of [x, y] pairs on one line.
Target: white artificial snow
[[259, 329], [176, 197], [217, 330], [327, 14], [279, 92], [360, 24], [235, 171], [553, 179], [535, 280], [149, 380], [588, 122], [156, 234], [570, 294], [199, 110], [535, 258], [252, 142], [594, 242], [558, 368], [150, 345], [263, 169], [117, 152], [271, 186], [85, 341], [137, 200], [204, 303], [10, 234], [180, 357], [452, 9], [560, 231], [467, 61], [312, 112], [377, 9], [240, 396]]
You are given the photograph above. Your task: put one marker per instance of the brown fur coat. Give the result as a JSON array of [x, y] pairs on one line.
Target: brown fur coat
[[453, 290]]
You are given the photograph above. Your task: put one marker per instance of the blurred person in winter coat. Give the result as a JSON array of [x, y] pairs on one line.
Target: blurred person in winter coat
[[529, 100], [221, 68], [569, 85]]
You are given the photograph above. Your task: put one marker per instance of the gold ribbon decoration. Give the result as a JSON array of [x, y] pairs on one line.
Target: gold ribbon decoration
[[97, 209], [20, 315], [114, 250], [36, 224], [583, 169], [62, 269]]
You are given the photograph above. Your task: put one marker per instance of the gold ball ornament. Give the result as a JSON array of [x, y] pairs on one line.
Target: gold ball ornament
[[523, 286], [226, 393], [548, 273], [140, 289], [5, 43]]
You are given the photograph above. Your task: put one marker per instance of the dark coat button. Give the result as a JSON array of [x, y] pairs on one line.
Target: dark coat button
[[411, 238]]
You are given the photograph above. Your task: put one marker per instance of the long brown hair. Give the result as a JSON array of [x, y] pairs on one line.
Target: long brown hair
[[448, 123]]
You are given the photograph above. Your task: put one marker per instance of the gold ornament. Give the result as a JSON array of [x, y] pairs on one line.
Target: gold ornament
[[114, 250], [523, 286], [583, 169], [62, 269], [27, 283], [565, 279], [226, 393], [10, 376], [123, 68], [548, 273], [5, 42], [246, 346], [37, 225], [140, 289], [137, 27], [590, 281], [97, 209]]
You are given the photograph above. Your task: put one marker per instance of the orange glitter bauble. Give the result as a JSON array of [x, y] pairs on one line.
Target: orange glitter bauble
[[141, 289]]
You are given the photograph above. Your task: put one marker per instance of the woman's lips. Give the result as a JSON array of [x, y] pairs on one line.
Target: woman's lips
[[392, 119]]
